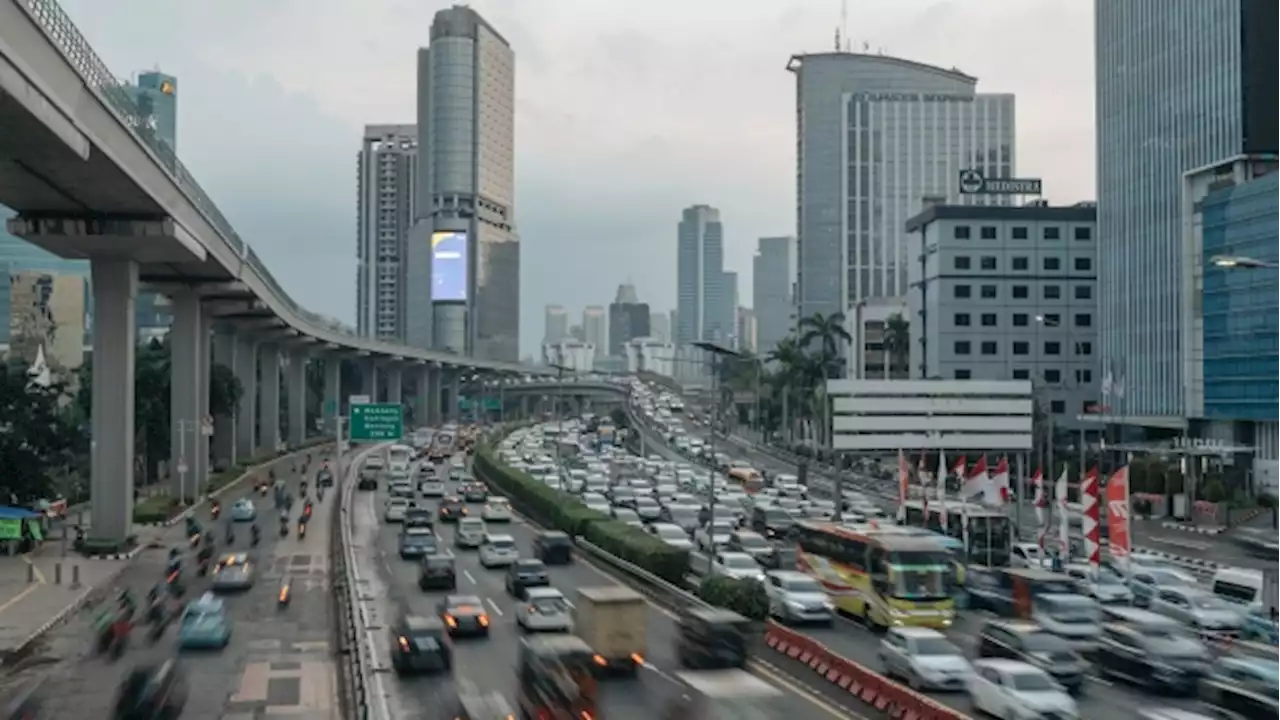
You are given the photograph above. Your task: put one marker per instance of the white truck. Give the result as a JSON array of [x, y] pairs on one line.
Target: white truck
[[613, 621]]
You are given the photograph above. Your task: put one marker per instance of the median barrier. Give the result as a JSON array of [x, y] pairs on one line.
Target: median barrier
[[868, 686]]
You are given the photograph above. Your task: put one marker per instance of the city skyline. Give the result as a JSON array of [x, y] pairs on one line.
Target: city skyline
[[227, 59]]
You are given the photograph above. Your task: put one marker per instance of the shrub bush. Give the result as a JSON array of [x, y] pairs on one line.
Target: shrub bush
[[552, 508], [743, 596]]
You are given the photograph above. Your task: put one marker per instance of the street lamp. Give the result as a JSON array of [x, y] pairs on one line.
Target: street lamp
[[1240, 261], [716, 351]]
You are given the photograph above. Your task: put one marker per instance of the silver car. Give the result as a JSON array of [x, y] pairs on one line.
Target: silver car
[[796, 597], [395, 510], [925, 658], [545, 610], [1199, 609]]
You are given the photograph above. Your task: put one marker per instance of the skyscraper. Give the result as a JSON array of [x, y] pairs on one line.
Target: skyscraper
[[463, 257], [557, 324], [628, 319], [594, 330], [729, 306], [773, 271], [156, 95], [660, 326], [1158, 118], [700, 295], [387, 166], [876, 135], [746, 332]]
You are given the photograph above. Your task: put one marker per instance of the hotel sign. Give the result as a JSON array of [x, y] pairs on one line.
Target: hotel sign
[[973, 182]]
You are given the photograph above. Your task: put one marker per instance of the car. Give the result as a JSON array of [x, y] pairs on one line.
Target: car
[[204, 625], [470, 533], [420, 645], [737, 565], [418, 542], [647, 509], [1035, 646], [464, 615], [498, 551], [431, 488], [707, 541], [525, 574], [474, 492], [751, 543], [1015, 689], [796, 597], [395, 510], [452, 509], [243, 511], [458, 473], [401, 489], [553, 547], [1198, 608], [925, 658], [416, 516], [497, 510], [545, 609], [324, 477], [234, 571], [437, 572]]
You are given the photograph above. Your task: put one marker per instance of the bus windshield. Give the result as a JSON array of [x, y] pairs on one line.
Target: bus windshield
[[919, 582]]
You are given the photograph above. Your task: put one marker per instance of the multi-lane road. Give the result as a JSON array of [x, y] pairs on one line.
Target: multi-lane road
[[279, 661], [490, 663], [1102, 698]]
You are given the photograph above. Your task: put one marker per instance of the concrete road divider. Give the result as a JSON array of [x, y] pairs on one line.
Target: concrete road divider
[[870, 687]]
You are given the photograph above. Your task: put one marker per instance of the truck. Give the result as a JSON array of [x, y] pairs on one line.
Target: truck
[[612, 621], [725, 694]]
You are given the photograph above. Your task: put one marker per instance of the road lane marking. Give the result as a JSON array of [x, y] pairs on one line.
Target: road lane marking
[[467, 574], [17, 598], [1179, 542], [495, 607]]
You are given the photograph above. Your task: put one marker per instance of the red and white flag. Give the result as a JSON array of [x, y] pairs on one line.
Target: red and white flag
[[925, 477], [1064, 522], [942, 490], [1039, 502], [1090, 523], [1118, 530], [904, 482], [996, 491], [975, 483]]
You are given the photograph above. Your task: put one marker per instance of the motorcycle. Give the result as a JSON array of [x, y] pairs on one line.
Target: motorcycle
[[284, 529], [113, 634], [254, 537], [302, 530], [285, 594], [215, 509]]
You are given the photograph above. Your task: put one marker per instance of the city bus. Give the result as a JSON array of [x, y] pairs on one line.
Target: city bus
[[990, 530], [888, 576]]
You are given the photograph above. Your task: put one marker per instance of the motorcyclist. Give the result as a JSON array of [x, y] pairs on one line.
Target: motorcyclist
[[231, 532], [126, 601], [175, 562], [306, 511], [215, 508], [284, 525], [254, 534]]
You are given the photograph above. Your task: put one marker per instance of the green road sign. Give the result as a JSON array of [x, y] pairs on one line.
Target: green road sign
[[466, 403], [380, 421]]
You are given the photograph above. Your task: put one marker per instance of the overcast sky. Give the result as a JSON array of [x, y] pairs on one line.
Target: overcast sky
[[626, 112]]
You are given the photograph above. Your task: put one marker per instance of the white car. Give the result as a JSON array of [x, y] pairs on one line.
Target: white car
[[703, 538], [1016, 690], [545, 610], [671, 534], [925, 658], [471, 533], [431, 488], [498, 551], [496, 510], [395, 510], [738, 565]]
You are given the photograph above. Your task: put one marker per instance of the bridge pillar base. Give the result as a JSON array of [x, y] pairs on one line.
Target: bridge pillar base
[[395, 386], [296, 392], [246, 369], [187, 386], [224, 426], [115, 291], [454, 407], [435, 403], [269, 387], [332, 393]]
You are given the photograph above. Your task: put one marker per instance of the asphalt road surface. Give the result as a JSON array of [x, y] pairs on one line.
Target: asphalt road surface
[[278, 662], [490, 663], [1101, 700]]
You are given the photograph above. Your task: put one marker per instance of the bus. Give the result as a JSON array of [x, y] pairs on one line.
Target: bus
[[886, 575], [399, 458], [990, 530]]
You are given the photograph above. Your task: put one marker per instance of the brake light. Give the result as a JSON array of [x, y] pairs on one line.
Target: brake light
[[637, 658], [404, 643], [599, 660], [451, 621], [484, 620], [587, 716], [284, 593]]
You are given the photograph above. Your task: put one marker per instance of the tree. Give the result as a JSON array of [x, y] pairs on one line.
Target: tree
[[829, 333], [37, 436], [152, 431], [897, 344]]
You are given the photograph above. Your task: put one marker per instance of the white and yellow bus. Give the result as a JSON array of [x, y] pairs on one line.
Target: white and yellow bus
[[888, 576]]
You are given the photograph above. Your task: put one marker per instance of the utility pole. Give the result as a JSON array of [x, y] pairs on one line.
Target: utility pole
[[560, 369], [716, 352]]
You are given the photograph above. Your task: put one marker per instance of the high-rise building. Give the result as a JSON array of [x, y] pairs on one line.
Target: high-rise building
[[1159, 117], [876, 136], [628, 319], [660, 326], [156, 95], [594, 328], [700, 295], [388, 168], [729, 306], [557, 324], [747, 331], [463, 257], [773, 272]]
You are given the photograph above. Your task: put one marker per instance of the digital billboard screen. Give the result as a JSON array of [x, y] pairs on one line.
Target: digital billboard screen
[[449, 266]]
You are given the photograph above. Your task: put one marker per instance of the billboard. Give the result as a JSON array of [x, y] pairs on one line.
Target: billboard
[[449, 266]]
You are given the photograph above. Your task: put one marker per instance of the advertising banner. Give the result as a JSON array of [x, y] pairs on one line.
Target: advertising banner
[[449, 270]]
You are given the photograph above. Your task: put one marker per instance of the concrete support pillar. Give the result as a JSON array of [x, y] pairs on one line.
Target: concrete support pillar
[[332, 392], [435, 403], [204, 436], [224, 426], [524, 407], [115, 291], [296, 392], [421, 398], [369, 376], [395, 385], [455, 392], [269, 412], [247, 414], [187, 388]]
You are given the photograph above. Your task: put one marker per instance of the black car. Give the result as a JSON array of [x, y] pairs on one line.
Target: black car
[[712, 639], [524, 574], [1150, 650], [417, 516], [475, 493], [451, 508], [417, 542], [324, 478], [464, 615], [151, 691], [420, 645], [553, 548], [367, 482], [1034, 645], [437, 572]]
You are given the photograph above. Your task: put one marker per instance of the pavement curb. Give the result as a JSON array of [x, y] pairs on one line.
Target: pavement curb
[[1184, 560], [1183, 527], [58, 619]]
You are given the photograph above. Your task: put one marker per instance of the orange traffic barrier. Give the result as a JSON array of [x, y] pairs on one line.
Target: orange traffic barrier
[[868, 686]]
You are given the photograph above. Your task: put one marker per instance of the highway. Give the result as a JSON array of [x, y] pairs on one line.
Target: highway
[[1102, 699], [490, 663], [278, 661]]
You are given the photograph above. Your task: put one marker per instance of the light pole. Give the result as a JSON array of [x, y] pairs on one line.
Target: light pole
[[716, 352], [560, 371]]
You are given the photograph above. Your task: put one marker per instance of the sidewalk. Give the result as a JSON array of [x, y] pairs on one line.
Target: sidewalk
[[37, 592]]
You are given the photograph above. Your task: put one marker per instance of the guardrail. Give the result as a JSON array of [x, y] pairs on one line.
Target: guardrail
[[355, 641], [862, 683]]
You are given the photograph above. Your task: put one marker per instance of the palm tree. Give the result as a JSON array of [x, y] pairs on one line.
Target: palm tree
[[829, 333], [897, 344], [789, 359]]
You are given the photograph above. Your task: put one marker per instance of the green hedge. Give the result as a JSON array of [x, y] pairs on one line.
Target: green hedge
[[160, 507], [744, 596], [552, 508]]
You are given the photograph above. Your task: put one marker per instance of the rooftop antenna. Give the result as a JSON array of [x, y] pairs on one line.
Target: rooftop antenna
[[842, 34]]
